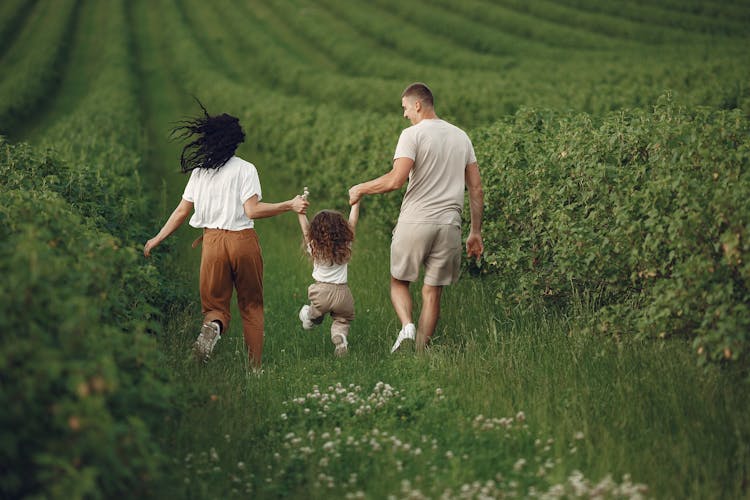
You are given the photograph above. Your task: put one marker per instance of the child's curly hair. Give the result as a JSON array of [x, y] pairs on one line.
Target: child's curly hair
[[331, 237]]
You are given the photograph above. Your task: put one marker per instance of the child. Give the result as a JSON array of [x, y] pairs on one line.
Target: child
[[328, 239]]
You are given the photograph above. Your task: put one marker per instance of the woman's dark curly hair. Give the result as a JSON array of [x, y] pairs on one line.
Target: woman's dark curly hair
[[217, 140], [331, 237]]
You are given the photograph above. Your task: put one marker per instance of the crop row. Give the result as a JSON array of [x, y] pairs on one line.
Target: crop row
[[12, 16], [644, 213], [85, 390], [666, 21], [28, 75], [349, 70]]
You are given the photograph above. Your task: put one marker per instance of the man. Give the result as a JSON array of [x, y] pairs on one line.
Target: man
[[439, 161]]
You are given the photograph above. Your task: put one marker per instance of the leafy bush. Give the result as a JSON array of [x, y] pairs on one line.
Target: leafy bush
[[648, 209], [83, 385]]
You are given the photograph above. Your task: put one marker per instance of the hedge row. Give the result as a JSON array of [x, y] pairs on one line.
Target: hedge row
[[644, 210], [85, 391]]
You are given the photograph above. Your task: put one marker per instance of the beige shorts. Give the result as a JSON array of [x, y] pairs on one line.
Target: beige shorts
[[437, 247]]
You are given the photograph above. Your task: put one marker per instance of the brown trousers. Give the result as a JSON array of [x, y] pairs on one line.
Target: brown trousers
[[233, 259]]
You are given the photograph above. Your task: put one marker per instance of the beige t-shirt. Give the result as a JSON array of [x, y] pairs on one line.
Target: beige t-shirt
[[441, 152], [218, 195]]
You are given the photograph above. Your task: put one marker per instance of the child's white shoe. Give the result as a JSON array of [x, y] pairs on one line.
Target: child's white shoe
[[304, 316], [342, 346]]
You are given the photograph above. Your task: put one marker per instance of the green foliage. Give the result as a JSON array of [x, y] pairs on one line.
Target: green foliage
[[83, 385], [646, 210]]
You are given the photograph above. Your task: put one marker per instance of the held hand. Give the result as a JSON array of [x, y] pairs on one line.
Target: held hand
[[300, 204], [474, 245], [355, 195]]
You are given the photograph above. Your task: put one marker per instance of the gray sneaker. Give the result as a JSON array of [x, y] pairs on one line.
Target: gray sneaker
[[204, 344]]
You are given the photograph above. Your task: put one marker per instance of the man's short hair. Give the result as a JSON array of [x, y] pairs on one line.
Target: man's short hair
[[421, 92]]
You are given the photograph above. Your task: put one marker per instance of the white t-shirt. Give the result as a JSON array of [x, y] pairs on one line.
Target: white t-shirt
[[329, 273], [440, 151], [218, 195]]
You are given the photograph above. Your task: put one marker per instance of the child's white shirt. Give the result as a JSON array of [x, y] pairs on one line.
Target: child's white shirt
[[325, 272]]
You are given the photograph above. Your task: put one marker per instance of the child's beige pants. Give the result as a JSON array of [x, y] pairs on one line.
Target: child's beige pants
[[332, 298]]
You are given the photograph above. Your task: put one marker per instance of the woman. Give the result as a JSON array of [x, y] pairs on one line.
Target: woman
[[224, 193]]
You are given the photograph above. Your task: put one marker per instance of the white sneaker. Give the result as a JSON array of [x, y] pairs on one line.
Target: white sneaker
[[408, 332], [304, 316], [206, 341], [342, 347]]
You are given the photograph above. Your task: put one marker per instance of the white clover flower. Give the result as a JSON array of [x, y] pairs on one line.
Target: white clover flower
[[578, 436], [241, 465], [284, 416], [519, 464]]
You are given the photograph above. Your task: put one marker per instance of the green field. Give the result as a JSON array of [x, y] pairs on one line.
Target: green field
[[600, 349]]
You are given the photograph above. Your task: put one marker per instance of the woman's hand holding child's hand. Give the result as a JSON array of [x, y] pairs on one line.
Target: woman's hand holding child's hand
[[300, 204]]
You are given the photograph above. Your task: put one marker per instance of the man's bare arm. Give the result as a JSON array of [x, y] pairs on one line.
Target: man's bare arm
[[385, 183]]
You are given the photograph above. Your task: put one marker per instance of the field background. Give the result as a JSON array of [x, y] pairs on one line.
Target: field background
[[599, 350]]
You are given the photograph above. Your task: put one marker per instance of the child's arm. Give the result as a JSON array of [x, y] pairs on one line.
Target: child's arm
[[304, 224], [354, 215]]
